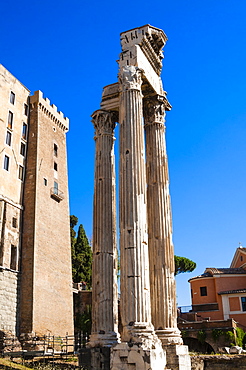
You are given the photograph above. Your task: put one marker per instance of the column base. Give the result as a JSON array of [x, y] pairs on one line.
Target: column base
[[104, 340], [129, 356], [178, 357], [140, 333], [170, 336]]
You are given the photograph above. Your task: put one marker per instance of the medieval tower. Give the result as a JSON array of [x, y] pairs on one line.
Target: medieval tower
[[35, 257]]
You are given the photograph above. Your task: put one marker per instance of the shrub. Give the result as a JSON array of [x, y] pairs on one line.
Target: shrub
[[229, 336], [216, 333], [240, 337], [201, 336]]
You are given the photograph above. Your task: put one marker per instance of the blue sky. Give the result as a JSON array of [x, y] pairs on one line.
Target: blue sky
[[69, 51]]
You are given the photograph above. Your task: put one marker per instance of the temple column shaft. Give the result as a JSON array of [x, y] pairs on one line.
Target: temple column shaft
[[161, 255], [135, 290], [104, 282]]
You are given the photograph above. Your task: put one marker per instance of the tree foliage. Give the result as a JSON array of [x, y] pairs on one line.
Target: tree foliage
[[183, 264], [81, 254], [73, 223]]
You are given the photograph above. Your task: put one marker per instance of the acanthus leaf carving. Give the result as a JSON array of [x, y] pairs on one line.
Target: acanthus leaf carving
[[130, 78], [154, 110], [104, 122]]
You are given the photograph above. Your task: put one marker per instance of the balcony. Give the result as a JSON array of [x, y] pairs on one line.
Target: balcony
[[56, 194]]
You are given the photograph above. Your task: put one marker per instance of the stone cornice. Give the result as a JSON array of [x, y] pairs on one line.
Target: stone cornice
[[151, 41]]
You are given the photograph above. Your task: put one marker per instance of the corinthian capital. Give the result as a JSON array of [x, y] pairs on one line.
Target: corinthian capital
[[154, 110], [130, 78], [104, 122]]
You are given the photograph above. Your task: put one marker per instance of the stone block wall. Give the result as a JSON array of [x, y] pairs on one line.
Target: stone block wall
[[9, 300]]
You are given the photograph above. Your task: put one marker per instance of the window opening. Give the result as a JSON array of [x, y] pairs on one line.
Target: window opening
[[10, 120], [25, 109], [23, 149], [24, 131], [13, 258], [55, 150], [243, 300], [8, 138], [203, 290], [45, 181], [55, 188], [14, 222], [55, 166], [6, 163], [12, 97], [21, 173]]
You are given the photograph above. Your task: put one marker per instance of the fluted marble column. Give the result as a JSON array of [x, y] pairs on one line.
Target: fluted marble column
[[135, 290], [104, 277], [161, 255]]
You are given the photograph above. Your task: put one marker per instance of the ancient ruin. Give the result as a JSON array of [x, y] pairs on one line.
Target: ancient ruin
[[150, 338]]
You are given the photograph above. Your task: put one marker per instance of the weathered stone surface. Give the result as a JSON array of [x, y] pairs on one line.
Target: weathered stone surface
[[232, 362], [9, 298], [147, 261], [135, 290], [45, 282], [161, 255], [104, 280], [46, 286], [134, 356]]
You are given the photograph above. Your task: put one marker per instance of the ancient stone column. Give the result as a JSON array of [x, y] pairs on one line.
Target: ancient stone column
[[104, 281], [161, 255], [135, 290]]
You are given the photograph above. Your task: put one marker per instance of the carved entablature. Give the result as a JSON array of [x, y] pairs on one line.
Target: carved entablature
[[104, 122], [151, 41], [154, 109], [130, 78]]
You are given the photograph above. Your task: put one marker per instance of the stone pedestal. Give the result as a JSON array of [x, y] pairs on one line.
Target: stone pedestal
[[130, 356], [104, 280], [161, 255], [95, 358], [178, 357]]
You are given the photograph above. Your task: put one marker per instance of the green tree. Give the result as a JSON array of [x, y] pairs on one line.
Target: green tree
[[183, 264], [82, 258], [73, 223]]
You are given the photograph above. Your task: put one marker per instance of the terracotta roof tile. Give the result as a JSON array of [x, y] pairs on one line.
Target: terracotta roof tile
[[220, 271]]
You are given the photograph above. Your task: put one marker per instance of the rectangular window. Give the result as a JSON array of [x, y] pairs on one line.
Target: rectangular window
[[55, 166], [26, 109], [55, 150], [6, 163], [23, 149], [24, 131], [12, 97], [8, 138], [203, 290], [13, 258], [243, 300], [21, 173], [14, 222], [55, 188], [10, 120], [45, 181]]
